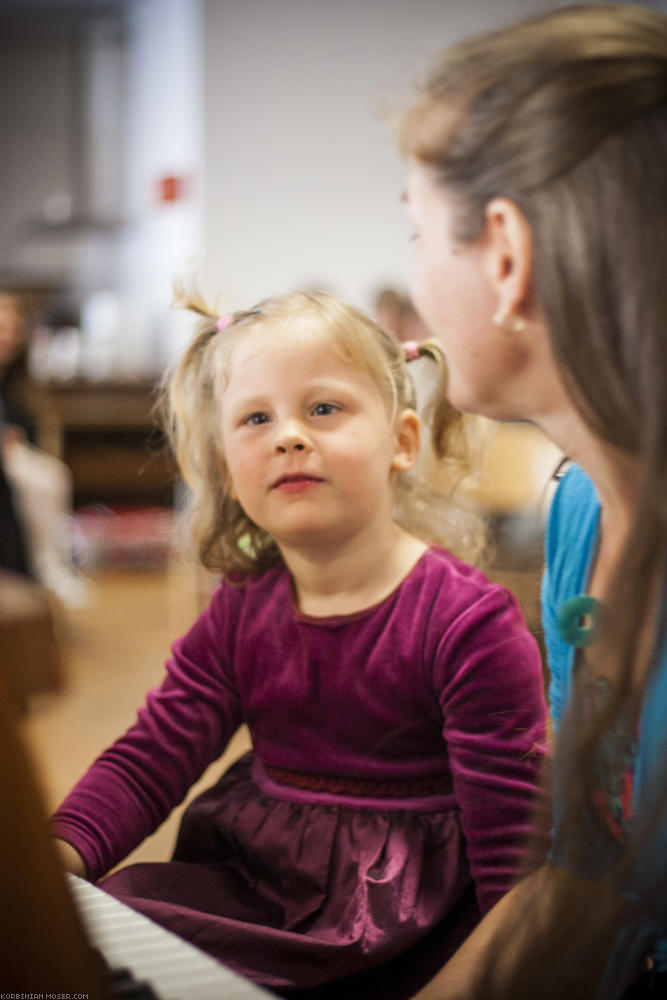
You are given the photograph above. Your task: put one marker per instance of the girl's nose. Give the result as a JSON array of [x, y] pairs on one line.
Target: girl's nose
[[291, 436]]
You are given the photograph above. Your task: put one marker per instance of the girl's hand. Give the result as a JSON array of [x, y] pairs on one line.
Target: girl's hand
[[70, 859]]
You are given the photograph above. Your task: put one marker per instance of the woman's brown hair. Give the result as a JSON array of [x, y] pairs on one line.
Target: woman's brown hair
[[565, 114]]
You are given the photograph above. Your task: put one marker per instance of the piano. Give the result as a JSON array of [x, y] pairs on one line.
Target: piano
[[171, 967], [60, 935]]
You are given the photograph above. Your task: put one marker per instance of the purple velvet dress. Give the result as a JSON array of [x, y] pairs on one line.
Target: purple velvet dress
[[395, 760]]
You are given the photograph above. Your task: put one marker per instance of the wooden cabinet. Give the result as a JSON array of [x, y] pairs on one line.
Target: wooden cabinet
[[109, 437]]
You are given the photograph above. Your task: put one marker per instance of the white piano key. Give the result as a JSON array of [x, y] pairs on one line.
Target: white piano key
[[175, 969]]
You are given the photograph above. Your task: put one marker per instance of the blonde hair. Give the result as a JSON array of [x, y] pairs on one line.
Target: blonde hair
[[225, 538]]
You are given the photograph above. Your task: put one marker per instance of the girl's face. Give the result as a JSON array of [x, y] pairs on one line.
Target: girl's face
[[308, 442], [452, 292]]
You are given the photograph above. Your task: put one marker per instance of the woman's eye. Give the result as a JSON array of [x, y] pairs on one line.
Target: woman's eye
[[254, 419], [324, 409]]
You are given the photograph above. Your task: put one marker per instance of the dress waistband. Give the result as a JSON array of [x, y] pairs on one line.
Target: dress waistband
[[374, 788]]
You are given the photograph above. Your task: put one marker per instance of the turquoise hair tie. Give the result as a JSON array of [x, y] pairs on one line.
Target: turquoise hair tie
[[571, 616]]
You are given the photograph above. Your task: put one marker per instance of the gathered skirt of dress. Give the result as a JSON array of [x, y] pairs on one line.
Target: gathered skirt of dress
[[297, 894]]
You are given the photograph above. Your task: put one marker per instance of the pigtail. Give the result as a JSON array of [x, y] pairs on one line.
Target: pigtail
[[185, 409], [188, 386], [188, 295], [445, 420], [225, 540], [431, 500], [458, 440]]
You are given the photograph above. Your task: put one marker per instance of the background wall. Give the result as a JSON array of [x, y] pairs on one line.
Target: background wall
[[250, 136], [163, 140], [301, 178]]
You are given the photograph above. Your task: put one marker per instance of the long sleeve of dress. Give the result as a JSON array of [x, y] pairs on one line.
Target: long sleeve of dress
[[441, 678], [490, 687], [184, 725]]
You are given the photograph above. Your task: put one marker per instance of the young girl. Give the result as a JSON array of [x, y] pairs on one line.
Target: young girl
[[538, 190], [393, 694]]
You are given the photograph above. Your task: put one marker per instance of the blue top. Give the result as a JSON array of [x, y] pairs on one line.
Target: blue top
[[571, 542]]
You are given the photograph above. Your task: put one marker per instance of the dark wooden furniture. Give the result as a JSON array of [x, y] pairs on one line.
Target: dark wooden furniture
[[30, 662], [108, 435], [43, 945]]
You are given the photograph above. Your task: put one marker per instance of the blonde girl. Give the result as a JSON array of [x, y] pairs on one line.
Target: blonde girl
[[393, 694]]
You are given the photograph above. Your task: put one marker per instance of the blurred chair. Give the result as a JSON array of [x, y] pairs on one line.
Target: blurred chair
[[514, 491], [516, 479]]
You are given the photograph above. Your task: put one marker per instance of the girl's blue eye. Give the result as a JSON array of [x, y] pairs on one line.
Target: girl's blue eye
[[324, 409], [255, 419]]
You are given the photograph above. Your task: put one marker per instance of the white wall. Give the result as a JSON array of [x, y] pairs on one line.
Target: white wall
[[163, 138], [301, 179], [274, 110]]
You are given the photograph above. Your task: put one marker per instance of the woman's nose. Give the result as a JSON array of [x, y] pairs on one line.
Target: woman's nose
[[291, 436]]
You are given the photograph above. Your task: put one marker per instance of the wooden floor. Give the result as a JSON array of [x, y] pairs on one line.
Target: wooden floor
[[113, 652]]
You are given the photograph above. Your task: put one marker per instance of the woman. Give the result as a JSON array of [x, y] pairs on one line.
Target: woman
[[538, 191]]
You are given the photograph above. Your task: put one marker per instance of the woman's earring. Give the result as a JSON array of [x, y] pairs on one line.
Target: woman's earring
[[508, 322]]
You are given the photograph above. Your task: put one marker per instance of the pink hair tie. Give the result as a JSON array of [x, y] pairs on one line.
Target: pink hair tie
[[411, 348], [224, 322]]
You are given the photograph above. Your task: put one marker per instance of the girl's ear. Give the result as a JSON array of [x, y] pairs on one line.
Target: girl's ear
[[406, 441], [509, 257]]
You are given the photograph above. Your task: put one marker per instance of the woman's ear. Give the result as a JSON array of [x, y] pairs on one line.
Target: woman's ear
[[406, 441], [509, 257]]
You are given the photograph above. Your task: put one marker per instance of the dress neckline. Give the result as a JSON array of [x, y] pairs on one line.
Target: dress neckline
[[352, 616]]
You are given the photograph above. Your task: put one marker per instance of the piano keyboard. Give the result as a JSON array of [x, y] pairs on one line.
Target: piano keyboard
[[174, 969]]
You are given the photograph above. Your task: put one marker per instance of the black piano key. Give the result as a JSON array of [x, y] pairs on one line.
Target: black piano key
[[122, 983]]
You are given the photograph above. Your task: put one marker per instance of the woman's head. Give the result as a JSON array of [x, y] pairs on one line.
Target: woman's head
[[266, 361], [565, 116]]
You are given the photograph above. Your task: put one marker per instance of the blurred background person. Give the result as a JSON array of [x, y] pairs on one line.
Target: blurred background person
[[40, 484]]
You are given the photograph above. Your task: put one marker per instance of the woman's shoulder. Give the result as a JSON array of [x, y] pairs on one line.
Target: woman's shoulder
[[575, 490], [575, 503], [572, 525]]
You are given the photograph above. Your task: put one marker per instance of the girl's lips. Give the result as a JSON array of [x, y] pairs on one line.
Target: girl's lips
[[295, 483]]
